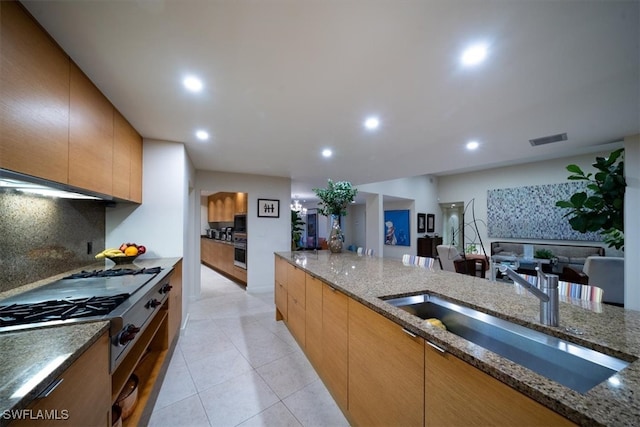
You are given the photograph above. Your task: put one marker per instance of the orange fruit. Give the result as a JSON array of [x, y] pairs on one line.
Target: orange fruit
[[131, 251]]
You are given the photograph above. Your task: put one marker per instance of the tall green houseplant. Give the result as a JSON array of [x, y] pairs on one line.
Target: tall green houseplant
[[296, 230], [602, 207], [334, 200]]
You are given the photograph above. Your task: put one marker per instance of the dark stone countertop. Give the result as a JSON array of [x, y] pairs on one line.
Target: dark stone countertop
[[609, 329], [33, 358]]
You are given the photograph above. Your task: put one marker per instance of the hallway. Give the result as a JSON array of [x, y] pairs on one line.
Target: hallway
[[235, 365]]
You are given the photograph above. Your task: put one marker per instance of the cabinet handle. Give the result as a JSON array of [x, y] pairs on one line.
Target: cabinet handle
[[50, 388], [411, 334], [437, 347]]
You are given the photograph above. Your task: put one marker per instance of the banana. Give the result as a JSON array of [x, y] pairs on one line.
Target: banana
[[110, 253]]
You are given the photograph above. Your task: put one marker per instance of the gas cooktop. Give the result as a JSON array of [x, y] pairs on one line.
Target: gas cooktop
[[83, 294]]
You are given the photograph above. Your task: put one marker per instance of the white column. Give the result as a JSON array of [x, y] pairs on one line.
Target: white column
[[374, 218], [631, 223]]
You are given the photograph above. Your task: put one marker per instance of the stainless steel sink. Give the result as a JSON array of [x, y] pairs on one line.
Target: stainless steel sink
[[574, 366]]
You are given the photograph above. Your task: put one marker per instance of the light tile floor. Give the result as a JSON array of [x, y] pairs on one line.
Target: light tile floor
[[235, 365]]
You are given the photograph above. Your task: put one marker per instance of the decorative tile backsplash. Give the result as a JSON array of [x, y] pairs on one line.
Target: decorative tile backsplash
[[41, 237], [530, 213]]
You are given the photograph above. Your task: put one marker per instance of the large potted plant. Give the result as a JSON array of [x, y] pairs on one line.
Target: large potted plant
[[334, 200], [296, 230], [602, 207]]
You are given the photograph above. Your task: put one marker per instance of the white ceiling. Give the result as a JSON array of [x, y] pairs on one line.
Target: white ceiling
[[286, 78]]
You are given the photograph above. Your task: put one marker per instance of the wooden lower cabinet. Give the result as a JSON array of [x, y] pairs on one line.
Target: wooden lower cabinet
[[83, 396], [386, 371], [280, 291], [457, 394], [219, 255], [175, 301], [335, 343], [313, 320], [296, 288]]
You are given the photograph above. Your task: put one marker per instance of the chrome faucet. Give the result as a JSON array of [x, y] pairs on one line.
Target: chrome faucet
[[547, 293]]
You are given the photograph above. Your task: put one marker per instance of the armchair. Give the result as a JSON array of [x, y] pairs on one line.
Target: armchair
[[607, 273]]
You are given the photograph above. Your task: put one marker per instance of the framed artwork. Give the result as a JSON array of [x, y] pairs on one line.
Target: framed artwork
[[268, 208], [422, 222], [431, 220], [396, 228]]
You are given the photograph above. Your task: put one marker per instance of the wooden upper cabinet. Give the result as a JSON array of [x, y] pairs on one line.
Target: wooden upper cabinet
[[135, 189], [121, 156], [90, 135], [127, 160], [241, 203], [34, 98]]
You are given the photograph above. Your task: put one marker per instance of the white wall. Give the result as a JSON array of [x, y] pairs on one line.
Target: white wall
[[421, 194], [475, 185], [161, 222], [265, 235]]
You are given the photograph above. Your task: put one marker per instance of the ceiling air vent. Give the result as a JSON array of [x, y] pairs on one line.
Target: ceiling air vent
[[548, 139]]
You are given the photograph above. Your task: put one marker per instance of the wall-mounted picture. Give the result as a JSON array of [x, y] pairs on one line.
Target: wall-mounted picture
[[396, 228], [422, 222], [431, 221], [268, 208]]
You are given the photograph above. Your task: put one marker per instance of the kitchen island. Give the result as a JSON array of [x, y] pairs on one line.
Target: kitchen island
[[365, 280], [60, 374]]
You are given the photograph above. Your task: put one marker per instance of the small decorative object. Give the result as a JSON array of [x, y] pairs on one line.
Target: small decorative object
[[333, 202], [126, 253], [268, 208], [544, 254], [431, 219], [471, 248], [422, 220]]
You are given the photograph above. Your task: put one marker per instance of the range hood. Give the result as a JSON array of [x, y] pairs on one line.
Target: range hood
[[31, 185]]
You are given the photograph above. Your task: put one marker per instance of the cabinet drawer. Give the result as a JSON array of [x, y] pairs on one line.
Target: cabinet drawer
[[83, 394], [296, 279]]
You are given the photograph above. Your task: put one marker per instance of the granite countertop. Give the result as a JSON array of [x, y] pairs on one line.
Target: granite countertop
[[224, 242], [609, 329], [32, 358]]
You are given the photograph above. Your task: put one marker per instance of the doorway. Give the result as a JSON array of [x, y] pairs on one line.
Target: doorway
[[452, 224]]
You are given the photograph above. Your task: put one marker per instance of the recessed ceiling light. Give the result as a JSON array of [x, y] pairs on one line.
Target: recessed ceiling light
[[372, 123], [327, 153], [202, 135], [474, 55], [193, 84], [472, 145]]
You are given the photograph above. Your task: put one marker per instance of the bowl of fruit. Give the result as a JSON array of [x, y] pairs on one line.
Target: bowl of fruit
[[125, 254]]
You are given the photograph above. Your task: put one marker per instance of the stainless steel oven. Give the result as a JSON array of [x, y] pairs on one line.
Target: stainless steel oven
[[240, 250]]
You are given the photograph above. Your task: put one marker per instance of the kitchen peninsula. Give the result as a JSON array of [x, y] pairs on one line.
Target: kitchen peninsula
[[381, 366]]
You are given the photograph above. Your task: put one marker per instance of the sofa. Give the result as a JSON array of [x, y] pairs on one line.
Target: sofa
[[565, 256]]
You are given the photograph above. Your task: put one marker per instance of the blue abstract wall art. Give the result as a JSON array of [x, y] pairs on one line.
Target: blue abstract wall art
[[396, 228]]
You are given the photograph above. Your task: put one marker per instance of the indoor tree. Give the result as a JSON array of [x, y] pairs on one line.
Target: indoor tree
[[601, 208]]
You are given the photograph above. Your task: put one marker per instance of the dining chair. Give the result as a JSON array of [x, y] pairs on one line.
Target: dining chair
[[580, 291]]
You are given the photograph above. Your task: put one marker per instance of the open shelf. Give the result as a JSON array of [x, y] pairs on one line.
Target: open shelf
[[128, 365]]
